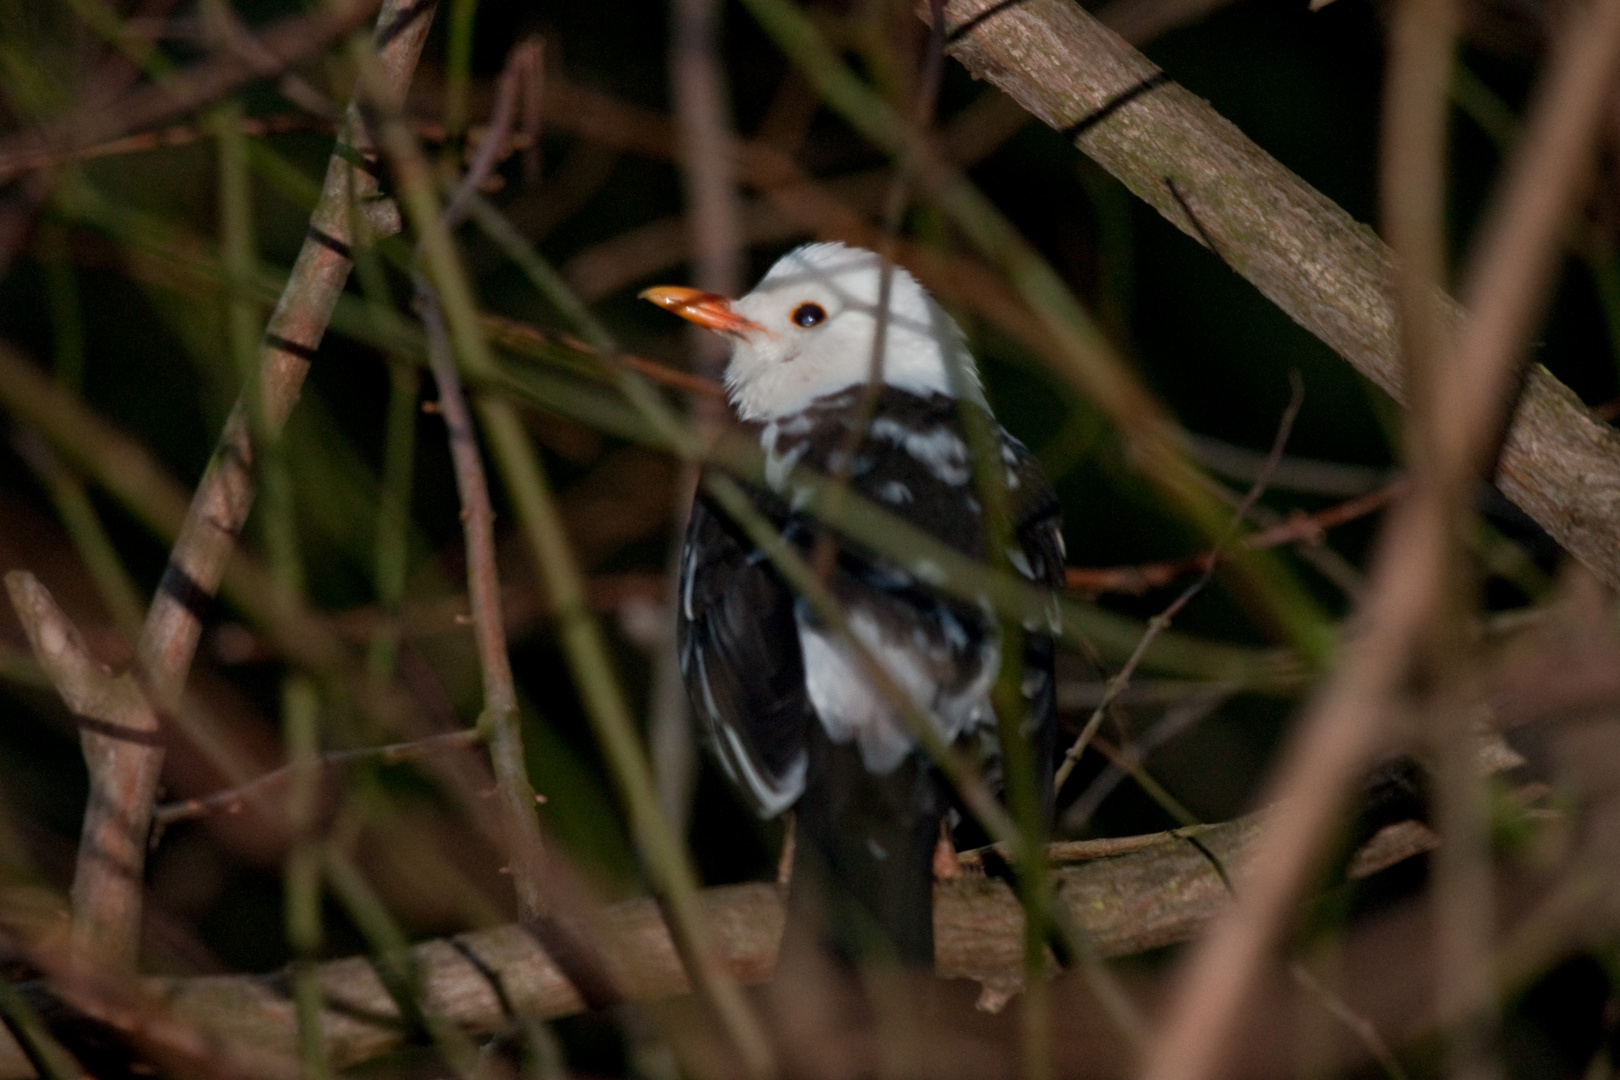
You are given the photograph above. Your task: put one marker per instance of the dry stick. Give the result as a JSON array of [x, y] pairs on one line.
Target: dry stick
[[500, 716], [1504, 288], [1161, 621], [1303, 252], [1128, 895], [119, 732], [1413, 189], [285, 44], [223, 499]]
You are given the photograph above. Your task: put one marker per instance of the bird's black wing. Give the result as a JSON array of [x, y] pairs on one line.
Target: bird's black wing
[[739, 654], [1038, 531]]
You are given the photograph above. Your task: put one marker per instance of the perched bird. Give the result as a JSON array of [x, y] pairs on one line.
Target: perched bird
[[786, 708]]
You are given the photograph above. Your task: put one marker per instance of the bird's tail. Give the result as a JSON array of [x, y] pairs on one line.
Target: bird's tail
[[863, 878]]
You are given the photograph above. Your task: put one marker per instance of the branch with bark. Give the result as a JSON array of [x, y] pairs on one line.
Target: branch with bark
[[1328, 272], [1126, 895]]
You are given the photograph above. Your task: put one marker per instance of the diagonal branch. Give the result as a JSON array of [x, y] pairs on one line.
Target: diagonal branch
[[222, 501], [122, 743], [1304, 253]]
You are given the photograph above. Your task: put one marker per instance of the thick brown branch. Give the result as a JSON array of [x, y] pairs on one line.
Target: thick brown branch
[[1163, 889], [1304, 253]]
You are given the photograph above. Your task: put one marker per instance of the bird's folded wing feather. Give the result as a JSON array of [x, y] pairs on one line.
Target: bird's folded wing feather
[[739, 654]]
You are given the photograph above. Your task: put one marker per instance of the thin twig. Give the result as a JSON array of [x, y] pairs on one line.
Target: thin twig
[[500, 715], [713, 229], [1176, 719], [1357, 1024], [494, 148], [665, 856], [1299, 529], [1161, 621], [232, 800]]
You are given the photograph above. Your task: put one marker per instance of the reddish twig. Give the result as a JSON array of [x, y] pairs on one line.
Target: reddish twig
[[495, 146], [714, 233], [484, 591], [1300, 529], [510, 333]]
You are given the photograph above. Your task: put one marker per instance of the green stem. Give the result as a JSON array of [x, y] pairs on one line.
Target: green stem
[[666, 858], [395, 964], [457, 64], [674, 880], [301, 876], [393, 516]]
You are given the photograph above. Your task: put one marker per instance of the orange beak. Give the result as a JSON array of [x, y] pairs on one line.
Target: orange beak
[[709, 310]]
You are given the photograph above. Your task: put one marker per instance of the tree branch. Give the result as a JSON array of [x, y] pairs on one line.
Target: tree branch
[[118, 730], [1162, 889], [1304, 253]]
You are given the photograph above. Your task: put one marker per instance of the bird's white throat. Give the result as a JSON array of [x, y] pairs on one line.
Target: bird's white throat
[[816, 312]]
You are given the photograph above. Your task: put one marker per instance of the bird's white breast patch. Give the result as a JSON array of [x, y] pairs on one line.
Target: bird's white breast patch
[[851, 709]]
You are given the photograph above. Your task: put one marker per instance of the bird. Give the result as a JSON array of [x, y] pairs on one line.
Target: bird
[[785, 706]]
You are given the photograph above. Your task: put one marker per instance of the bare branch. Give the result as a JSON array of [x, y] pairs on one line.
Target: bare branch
[[1303, 252], [1504, 286], [123, 750], [220, 506]]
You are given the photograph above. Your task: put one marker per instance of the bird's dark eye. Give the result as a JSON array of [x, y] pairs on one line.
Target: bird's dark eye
[[808, 315]]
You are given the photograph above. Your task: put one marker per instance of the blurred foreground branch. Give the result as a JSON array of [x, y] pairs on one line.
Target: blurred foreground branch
[[276, 48]]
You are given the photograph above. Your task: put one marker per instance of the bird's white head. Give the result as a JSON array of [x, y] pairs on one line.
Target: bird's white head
[[811, 328]]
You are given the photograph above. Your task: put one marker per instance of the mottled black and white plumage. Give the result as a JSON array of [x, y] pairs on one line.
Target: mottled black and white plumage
[[791, 718]]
